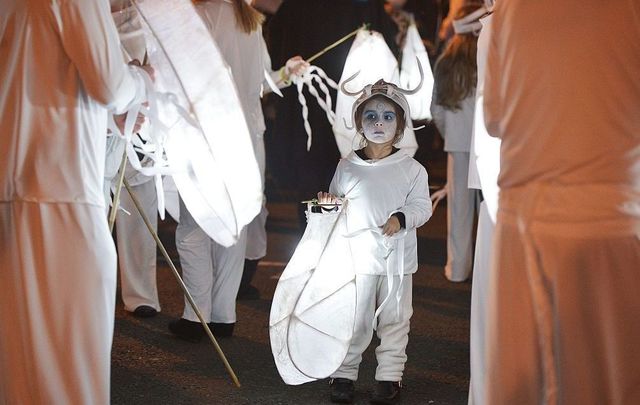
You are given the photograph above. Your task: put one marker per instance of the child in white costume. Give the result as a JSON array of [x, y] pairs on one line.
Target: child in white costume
[[388, 197]]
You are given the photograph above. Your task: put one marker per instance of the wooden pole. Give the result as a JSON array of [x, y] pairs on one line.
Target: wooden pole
[[116, 195]]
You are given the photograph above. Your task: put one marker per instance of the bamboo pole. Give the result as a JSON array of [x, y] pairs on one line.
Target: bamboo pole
[[153, 232], [330, 47], [116, 196]]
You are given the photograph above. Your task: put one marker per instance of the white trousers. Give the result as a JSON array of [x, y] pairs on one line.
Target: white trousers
[[211, 272], [392, 328], [257, 236], [479, 295], [137, 248], [256, 231], [58, 280], [564, 313], [461, 208]]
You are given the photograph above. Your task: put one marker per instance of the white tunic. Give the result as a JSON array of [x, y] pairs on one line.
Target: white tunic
[[375, 190], [562, 93], [61, 66]]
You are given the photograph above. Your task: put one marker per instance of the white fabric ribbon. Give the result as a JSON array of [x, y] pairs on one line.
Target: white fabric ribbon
[[391, 244], [317, 75], [150, 143]]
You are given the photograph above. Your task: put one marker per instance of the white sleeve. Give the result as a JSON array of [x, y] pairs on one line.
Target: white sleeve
[[91, 41], [417, 209]]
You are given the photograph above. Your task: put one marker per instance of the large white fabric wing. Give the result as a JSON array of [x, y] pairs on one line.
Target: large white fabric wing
[[369, 55], [208, 144], [313, 310]]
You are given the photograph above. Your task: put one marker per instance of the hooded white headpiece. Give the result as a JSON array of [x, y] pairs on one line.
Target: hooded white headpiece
[[385, 89]]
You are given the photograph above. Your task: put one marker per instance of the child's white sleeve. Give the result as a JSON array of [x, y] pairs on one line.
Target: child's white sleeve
[[417, 209]]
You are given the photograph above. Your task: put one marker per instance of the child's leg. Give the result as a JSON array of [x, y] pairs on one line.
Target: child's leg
[[393, 329], [363, 328]]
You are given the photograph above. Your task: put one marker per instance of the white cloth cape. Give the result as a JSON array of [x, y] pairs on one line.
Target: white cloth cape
[[369, 55], [313, 310]]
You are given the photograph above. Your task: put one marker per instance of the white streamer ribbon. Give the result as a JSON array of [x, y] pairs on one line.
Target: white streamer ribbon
[[150, 143], [391, 244], [317, 75]]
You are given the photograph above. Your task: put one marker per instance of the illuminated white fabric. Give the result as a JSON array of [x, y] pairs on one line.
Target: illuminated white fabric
[[564, 311], [58, 259], [247, 57], [420, 102], [215, 171], [406, 190], [313, 309], [370, 55]]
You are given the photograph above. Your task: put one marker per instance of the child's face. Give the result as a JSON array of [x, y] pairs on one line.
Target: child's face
[[379, 121]]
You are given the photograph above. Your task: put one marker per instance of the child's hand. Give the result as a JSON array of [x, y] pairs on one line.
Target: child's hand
[[391, 227], [326, 198]]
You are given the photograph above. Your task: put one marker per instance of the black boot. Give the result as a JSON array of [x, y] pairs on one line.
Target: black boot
[[246, 290], [221, 330], [342, 390], [187, 330], [387, 392]]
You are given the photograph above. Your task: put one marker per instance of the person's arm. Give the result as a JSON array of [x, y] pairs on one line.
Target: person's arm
[[91, 41], [417, 208], [295, 66], [437, 114]]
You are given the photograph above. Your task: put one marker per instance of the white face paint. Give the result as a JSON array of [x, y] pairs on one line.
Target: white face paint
[[379, 121]]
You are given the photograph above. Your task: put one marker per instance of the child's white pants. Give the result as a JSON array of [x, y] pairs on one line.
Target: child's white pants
[[392, 327], [211, 272]]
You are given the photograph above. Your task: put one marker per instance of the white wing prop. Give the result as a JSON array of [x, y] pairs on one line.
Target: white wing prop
[[208, 146], [313, 310], [370, 56], [420, 102]]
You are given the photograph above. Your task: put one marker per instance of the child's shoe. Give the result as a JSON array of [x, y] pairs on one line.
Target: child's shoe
[[342, 390], [387, 392]]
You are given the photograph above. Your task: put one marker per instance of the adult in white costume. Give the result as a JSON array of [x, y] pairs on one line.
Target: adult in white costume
[[61, 70], [136, 247], [383, 269], [452, 107], [211, 271], [562, 93]]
